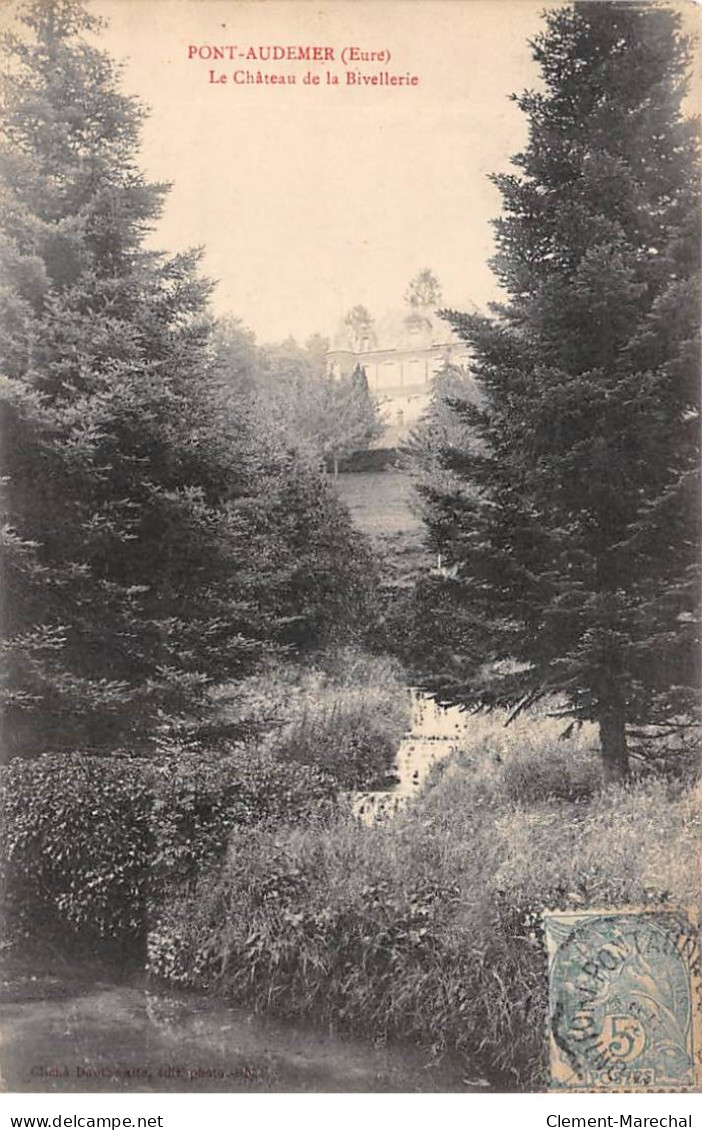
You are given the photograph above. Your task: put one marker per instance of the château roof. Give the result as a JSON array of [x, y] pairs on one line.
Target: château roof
[[402, 328]]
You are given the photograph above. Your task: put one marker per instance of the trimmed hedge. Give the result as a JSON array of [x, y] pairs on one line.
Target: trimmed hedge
[[74, 845], [90, 844]]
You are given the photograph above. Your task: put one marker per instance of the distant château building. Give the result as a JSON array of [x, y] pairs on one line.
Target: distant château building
[[400, 353]]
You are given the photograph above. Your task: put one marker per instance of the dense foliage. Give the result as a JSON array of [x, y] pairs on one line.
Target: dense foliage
[[200, 799], [324, 417], [158, 540], [90, 845], [75, 845], [570, 518], [428, 927], [345, 716]]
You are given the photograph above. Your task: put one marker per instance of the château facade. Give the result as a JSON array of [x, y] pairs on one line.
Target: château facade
[[401, 354]]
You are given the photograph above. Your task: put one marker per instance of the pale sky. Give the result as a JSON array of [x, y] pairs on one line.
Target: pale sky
[[310, 199]]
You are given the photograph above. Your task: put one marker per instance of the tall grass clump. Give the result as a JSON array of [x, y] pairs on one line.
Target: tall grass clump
[[344, 713], [92, 846], [428, 928]]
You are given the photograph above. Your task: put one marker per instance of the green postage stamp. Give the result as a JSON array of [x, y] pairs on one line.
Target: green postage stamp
[[623, 1000]]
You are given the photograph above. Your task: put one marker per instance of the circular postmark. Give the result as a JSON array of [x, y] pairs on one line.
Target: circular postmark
[[621, 1000]]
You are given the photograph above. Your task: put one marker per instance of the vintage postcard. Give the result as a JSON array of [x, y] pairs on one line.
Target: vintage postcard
[[349, 388]]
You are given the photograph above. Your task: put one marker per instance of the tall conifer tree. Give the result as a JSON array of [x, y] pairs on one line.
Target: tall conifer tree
[[137, 546], [575, 522]]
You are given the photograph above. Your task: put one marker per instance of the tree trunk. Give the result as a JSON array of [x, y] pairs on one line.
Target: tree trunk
[[336, 468], [615, 755]]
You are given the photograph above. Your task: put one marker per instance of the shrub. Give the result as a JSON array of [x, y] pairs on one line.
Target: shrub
[[428, 927], [75, 843], [199, 799], [89, 844], [93, 844], [302, 922], [528, 760], [340, 739], [343, 714]]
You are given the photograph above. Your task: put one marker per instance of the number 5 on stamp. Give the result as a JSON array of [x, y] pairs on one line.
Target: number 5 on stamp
[[623, 999]]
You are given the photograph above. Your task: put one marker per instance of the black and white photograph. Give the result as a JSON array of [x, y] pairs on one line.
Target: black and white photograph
[[350, 397]]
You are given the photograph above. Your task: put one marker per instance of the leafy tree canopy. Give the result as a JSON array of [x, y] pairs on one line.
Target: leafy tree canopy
[[360, 326], [424, 291], [322, 417]]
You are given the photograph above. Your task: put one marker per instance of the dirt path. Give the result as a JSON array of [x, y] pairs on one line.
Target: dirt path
[[117, 1038]]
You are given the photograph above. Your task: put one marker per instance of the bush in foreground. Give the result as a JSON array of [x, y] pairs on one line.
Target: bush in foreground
[[90, 845], [428, 928], [74, 847]]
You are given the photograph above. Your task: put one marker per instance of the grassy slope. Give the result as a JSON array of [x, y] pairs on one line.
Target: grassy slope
[[428, 928], [380, 502], [382, 505]]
